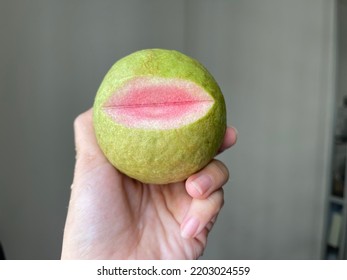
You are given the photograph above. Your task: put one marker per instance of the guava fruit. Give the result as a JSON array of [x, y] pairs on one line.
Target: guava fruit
[[159, 116]]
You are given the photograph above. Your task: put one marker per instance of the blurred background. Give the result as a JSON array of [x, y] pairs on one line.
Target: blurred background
[[281, 65]]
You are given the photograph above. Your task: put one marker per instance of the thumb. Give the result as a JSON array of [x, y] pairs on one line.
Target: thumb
[[88, 153]]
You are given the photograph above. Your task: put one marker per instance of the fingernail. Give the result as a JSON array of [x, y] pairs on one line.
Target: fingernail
[[202, 183], [189, 227], [236, 131]]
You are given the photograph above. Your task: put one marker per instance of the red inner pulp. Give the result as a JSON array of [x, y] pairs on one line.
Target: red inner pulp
[[164, 105]]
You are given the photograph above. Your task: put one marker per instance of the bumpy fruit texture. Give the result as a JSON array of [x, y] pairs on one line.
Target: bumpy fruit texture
[[159, 116]]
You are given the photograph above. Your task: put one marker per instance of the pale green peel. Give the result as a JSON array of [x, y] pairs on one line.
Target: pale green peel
[[159, 156]]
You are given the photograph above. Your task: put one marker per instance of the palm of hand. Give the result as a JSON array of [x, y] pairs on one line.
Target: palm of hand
[[121, 218]]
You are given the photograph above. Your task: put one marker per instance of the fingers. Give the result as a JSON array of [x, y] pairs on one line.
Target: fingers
[[205, 187], [230, 138], [208, 197], [88, 153], [201, 214], [208, 180]]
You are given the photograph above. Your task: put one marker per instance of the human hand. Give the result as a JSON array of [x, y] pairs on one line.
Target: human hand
[[112, 216]]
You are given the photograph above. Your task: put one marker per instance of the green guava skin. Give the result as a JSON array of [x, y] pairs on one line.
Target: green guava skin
[[156, 156]]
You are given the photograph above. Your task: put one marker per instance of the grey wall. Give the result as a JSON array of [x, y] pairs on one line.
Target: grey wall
[[273, 60]]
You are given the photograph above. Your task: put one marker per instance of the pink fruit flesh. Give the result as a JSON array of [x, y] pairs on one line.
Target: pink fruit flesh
[[158, 103]]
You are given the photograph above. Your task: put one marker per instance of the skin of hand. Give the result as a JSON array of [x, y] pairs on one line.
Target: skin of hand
[[112, 216]]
